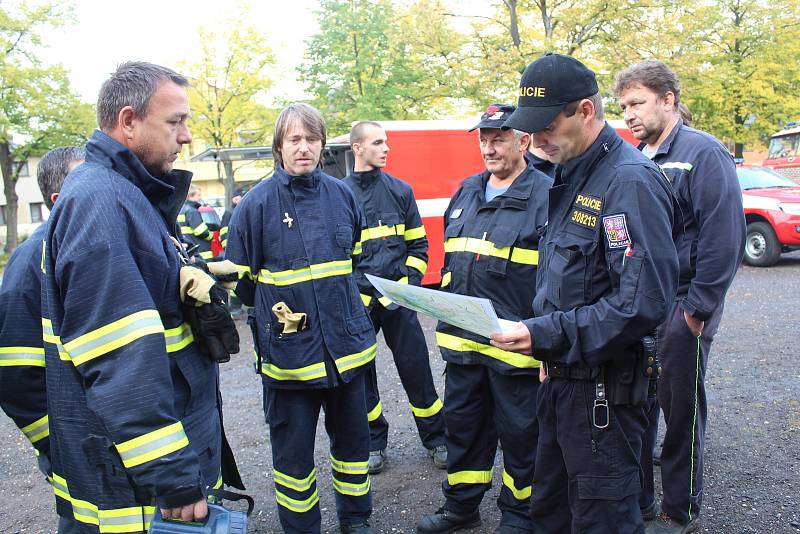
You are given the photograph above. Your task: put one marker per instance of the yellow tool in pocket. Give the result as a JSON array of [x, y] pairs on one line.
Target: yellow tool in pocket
[[292, 322]]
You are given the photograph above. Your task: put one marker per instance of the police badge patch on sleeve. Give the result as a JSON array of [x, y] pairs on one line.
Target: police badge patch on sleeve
[[616, 228]]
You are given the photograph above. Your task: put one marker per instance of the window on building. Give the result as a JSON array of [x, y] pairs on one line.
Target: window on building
[[36, 212], [23, 171]]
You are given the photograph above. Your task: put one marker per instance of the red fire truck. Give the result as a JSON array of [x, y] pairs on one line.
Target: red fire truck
[[434, 157], [783, 154]]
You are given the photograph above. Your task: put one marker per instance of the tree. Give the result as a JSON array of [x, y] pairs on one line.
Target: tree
[[373, 60], [39, 110], [744, 80], [227, 83]]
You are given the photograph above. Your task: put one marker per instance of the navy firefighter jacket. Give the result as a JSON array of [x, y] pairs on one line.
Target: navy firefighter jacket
[[491, 251], [132, 401], [22, 381], [702, 172], [609, 268], [393, 244], [194, 229], [294, 240]]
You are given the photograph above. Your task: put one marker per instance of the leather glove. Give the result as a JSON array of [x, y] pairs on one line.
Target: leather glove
[[225, 272], [292, 322], [206, 310]]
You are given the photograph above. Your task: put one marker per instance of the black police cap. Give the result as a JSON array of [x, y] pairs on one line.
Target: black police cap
[[495, 116], [547, 85]]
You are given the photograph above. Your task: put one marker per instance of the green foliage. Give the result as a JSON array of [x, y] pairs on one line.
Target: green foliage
[[38, 108], [229, 81]]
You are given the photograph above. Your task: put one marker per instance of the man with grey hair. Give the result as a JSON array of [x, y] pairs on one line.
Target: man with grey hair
[[491, 229], [295, 239], [132, 400], [703, 175], [22, 379]]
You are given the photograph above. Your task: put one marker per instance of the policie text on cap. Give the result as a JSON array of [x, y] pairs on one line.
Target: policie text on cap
[[547, 85]]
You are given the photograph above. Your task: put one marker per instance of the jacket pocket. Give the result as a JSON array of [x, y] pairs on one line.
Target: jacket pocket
[[567, 266], [629, 280], [344, 238], [358, 324], [502, 239]]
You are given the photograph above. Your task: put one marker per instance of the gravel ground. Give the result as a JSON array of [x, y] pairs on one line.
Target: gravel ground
[[752, 477]]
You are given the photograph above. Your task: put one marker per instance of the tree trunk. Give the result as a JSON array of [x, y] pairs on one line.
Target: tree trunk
[[9, 190], [513, 22], [229, 182]]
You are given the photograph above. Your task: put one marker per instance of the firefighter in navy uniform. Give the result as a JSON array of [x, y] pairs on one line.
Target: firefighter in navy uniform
[[227, 215], [703, 175], [295, 238], [394, 246], [23, 394], [195, 231], [608, 271], [132, 402], [491, 229]]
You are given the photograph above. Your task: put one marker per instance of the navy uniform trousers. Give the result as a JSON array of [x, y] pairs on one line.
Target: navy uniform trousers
[[581, 468], [682, 397], [292, 417], [480, 406], [404, 336]]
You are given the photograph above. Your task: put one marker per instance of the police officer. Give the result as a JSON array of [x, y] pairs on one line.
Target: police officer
[[295, 238], [607, 275], [703, 175], [194, 229], [23, 395], [132, 403], [491, 229], [394, 246]]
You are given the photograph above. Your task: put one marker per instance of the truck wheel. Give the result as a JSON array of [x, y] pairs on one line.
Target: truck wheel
[[761, 248]]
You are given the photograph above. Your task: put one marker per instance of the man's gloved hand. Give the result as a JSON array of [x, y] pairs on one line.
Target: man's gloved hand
[[206, 310]]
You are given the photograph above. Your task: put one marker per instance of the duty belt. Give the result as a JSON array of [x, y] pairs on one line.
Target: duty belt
[[570, 372]]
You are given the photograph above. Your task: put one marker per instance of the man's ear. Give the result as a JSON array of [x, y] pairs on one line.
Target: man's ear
[[53, 198], [669, 101], [125, 119], [356, 147], [525, 142], [586, 108]]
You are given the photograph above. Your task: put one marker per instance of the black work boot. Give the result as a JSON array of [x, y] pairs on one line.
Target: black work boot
[[664, 524], [444, 521], [360, 528]]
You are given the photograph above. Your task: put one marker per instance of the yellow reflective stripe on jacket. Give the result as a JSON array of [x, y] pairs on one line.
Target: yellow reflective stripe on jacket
[[414, 233], [37, 430], [345, 363], [17, 356], [446, 278], [200, 229], [296, 505], [357, 249], [115, 520], [185, 230], [49, 337], [460, 344], [348, 488], [433, 409], [114, 335], [178, 337], [312, 272], [223, 231], [310, 372], [207, 254], [416, 263], [379, 232], [219, 482], [474, 245], [469, 477], [349, 468], [366, 299], [297, 484], [374, 413], [519, 494], [152, 445], [244, 271]]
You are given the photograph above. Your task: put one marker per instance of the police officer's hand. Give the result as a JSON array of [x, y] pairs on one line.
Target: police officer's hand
[[191, 512], [518, 340], [695, 325]]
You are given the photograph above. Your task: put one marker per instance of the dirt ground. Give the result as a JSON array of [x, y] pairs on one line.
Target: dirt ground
[[752, 470]]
